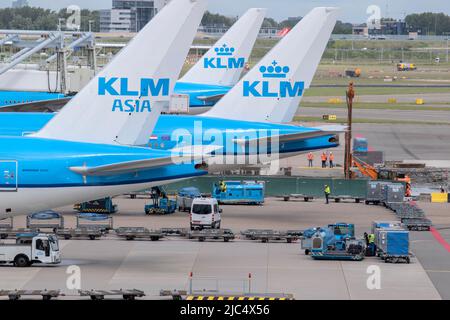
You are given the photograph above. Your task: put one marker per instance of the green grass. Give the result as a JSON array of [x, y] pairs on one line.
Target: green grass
[[363, 120], [378, 106], [340, 92]]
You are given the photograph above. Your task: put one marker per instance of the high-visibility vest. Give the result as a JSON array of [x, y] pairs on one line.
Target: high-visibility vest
[[324, 157], [371, 238], [310, 156], [327, 190], [331, 157]]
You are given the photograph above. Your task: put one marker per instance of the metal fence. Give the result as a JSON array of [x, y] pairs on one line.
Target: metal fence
[[281, 185]]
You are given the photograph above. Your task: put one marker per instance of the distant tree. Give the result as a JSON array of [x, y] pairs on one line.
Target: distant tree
[[343, 28], [217, 19], [269, 23], [429, 23], [33, 18], [289, 23]]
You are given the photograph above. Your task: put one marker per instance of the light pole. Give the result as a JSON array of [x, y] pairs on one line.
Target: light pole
[[447, 34]]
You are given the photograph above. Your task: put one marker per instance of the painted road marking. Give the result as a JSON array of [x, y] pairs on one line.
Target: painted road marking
[[440, 239]]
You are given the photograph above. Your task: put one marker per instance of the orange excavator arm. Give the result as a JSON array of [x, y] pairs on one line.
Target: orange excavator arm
[[365, 169]]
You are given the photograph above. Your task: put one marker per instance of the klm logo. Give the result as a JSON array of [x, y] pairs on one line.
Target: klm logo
[[132, 99], [224, 59], [273, 89]]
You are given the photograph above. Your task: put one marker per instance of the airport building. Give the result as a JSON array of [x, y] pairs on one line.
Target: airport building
[[19, 3], [129, 16]]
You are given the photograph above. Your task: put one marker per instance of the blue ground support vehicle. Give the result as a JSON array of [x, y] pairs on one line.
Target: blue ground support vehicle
[[334, 242], [239, 192], [104, 205], [340, 231], [160, 204]]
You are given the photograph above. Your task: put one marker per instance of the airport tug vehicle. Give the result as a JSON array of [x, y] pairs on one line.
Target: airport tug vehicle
[[31, 248]]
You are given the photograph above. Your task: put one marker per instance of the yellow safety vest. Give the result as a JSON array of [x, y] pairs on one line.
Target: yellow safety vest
[[327, 190]]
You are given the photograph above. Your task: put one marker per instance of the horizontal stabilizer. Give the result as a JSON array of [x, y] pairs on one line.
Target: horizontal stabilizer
[[52, 105], [213, 98], [177, 155], [293, 136]]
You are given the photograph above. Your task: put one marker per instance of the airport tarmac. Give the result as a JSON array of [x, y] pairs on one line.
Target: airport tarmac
[[432, 116], [398, 142], [275, 267], [435, 97]]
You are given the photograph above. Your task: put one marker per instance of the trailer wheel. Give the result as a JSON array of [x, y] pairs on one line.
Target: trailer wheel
[[128, 297], [154, 238], [226, 239], [367, 202], [201, 239], [408, 260], [129, 237], [46, 297], [289, 240], [307, 252], [67, 237], [91, 237], [21, 261], [3, 236]]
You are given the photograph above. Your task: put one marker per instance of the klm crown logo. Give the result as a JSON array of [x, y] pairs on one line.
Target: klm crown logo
[[224, 59], [224, 51], [274, 71], [274, 84]]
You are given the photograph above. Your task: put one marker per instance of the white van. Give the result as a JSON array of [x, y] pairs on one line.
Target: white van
[[205, 213]]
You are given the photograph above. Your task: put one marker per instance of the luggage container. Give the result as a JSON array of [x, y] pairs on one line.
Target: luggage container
[[375, 194], [99, 221], [185, 197], [385, 225], [394, 193], [393, 245], [45, 220]]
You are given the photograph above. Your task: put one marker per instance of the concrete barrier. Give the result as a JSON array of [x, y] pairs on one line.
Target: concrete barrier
[[439, 197]]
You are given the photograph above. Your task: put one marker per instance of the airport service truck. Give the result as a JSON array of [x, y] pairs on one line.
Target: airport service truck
[[31, 248]]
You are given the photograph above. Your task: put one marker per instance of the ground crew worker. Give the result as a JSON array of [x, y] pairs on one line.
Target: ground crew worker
[[310, 159], [331, 157], [324, 160], [223, 186], [327, 191]]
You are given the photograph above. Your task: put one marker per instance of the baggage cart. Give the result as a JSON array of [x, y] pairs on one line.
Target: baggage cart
[[132, 233]]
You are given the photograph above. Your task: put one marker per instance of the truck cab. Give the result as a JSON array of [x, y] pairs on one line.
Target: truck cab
[[205, 213], [31, 248]]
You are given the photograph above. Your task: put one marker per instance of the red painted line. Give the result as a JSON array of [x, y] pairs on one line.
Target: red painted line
[[439, 239]]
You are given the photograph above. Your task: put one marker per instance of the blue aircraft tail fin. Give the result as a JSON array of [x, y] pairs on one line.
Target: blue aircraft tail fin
[[123, 102], [225, 61], [272, 90]]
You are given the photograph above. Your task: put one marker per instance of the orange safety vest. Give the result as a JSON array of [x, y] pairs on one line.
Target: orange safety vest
[[324, 157], [331, 157], [310, 156]]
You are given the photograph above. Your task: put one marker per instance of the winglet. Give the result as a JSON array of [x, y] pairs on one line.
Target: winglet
[[272, 90], [123, 102], [224, 62]]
